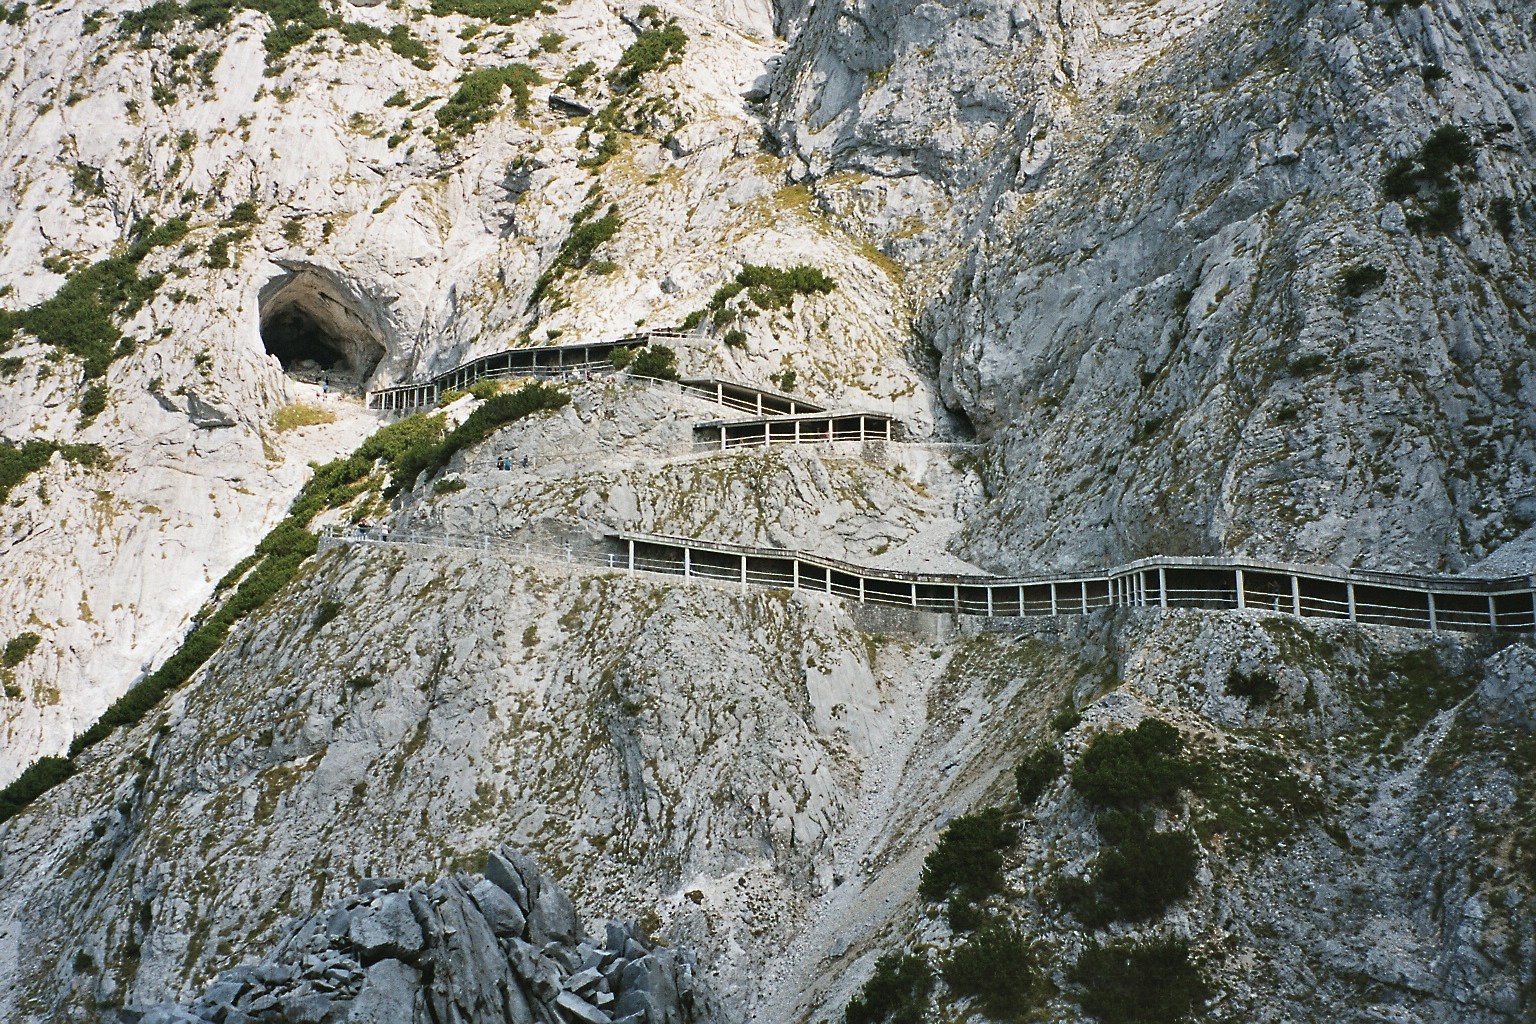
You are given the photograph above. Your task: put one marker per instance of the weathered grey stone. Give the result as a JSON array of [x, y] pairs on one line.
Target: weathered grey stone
[[499, 869], [583, 981], [500, 909], [579, 1010], [389, 995], [390, 930], [312, 1008]]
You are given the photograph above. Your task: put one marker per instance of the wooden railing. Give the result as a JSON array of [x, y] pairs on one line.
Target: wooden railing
[[1433, 602]]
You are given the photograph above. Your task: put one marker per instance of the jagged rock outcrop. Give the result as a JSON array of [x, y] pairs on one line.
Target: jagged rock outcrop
[[1190, 311], [507, 948]]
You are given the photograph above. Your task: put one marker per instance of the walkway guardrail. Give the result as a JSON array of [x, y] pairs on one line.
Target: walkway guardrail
[[1432, 602]]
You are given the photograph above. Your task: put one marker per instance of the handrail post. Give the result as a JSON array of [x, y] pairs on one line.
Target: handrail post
[[1349, 592], [1242, 600], [1052, 588], [1084, 585], [1493, 615], [1162, 588], [743, 574], [1296, 595], [1434, 626], [631, 544]]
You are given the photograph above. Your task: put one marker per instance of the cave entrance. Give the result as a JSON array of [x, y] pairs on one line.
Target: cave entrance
[[319, 331]]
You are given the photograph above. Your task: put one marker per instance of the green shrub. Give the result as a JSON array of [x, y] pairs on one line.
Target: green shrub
[[996, 967], [502, 12], [655, 49], [16, 464], [485, 389], [577, 249], [576, 78], [245, 212], [93, 402], [1257, 686], [1356, 280], [40, 776], [968, 857], [478, 97], [1138, 982], [658, 361], [414, 50], [964, 914], [16, 15], [1427, 180], [621, 357], [488, 417], [1120, 826], [449, 485], [776, 287], [19, 648], [1066, 720], [398, 99], [897, 993], [734, 338], [326, 612], [1035, 772], [1134, 883], [1144, 763], [81, 317]]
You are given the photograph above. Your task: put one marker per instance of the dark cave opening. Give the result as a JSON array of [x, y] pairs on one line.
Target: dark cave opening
[[301, 344], [321, 331]]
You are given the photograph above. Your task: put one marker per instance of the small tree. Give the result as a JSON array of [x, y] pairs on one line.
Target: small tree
[[658, 361]]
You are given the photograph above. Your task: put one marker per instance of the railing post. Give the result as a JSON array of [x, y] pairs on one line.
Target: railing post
[[1242, 601], [914, 593], [631, 544], [794, 564], [743, 574], [1084, 585], [957, 599], [1053, 598], [1434, 625], [861, 587], [687, 561], [1493, 615], [989, 601], [1349, 595], [1296, 595], [1162, 587]]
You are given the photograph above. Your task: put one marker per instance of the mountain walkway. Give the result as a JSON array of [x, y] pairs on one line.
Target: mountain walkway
[[1432, 602]]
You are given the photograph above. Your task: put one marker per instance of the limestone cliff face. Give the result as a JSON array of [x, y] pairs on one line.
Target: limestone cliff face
[[409, 247], [1187, 308]]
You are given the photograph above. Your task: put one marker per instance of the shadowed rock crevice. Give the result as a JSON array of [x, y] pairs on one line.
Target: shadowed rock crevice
[[321, 328]]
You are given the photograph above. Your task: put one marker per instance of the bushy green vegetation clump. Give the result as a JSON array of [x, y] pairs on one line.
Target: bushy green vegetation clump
[[19, 648], [1427, 180], [588, 232], [766, 287], [82, 317], [968, 859], [897, 993], [1135, 766], [294, 23], [1136, 880], [996, 967], [1149, 981], [39, 777], [657, 361], [655, 49], [478, 97], [501, 12], [1358, 279], [488, 417], [17, 463], [1036, 771]]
